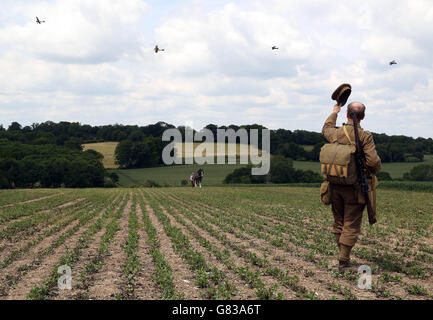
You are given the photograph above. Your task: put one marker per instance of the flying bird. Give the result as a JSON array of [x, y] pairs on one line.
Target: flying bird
[[274, 48], [392, 62], [39, 21], [158, 49]]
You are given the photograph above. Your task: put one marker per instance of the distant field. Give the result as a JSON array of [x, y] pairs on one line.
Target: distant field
[[107, 150], [307, 165], [397, 169], [239, 149], [173, 175], [307, 148]]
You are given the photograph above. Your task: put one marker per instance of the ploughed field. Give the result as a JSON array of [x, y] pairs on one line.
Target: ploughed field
[[209, 243]]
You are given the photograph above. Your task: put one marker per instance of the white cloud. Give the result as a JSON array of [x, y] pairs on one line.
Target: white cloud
[[76, 31], [231, 42]]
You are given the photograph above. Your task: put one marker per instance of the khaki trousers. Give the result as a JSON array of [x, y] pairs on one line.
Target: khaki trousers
[[347, 214]]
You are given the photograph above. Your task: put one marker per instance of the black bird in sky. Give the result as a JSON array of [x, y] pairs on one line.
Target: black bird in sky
[[39, 21], [392, 62], [158, 49], [274, 48]]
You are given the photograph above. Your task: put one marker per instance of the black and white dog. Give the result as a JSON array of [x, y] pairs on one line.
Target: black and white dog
[[196, 178]]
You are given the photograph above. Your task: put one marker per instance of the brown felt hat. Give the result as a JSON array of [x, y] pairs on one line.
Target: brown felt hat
[[342, 93]]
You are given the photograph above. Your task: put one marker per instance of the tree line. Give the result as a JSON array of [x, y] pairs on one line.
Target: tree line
[[286, 142], [141, 146], [26, 165]]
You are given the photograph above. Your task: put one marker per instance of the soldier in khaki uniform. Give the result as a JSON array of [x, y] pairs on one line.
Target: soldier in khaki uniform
[[347, 201]]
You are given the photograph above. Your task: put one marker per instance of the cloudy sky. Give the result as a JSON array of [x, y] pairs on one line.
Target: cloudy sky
[[93, 62]]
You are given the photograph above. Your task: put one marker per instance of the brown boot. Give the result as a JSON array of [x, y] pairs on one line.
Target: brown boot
[[346, 266], [344, 259]]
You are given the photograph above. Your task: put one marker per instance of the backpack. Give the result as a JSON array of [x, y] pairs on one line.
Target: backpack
[[338, 162]]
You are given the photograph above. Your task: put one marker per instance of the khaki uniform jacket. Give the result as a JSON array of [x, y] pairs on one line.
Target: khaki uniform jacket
[[333, 133]]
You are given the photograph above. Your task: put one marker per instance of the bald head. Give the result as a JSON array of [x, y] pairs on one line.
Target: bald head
[[358, 108]]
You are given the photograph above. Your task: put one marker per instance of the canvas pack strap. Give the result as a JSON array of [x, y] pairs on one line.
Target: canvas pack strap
[[347, 135]]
